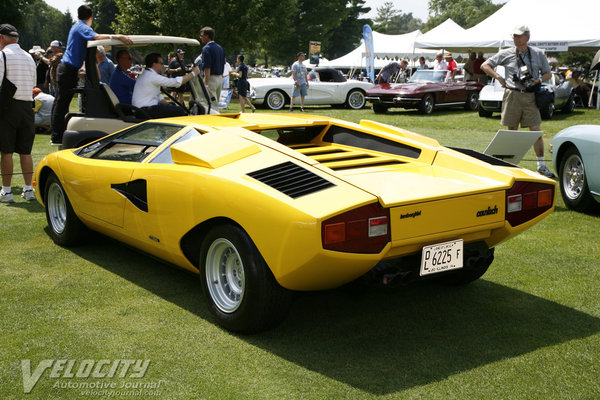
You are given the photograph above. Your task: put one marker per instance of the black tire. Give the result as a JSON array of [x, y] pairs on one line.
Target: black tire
[[275, 99], [484, 113], [477, 267], [427, 104], [569, 105], [573, 182], [379, 109], [472, 103], [239, 287], [355, 99], [547, 111], [65, 227]]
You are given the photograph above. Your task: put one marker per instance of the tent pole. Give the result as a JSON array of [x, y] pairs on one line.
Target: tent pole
[[592, 92]]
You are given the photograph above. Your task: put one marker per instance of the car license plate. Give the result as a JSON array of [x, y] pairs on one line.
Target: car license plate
[[442, 257]]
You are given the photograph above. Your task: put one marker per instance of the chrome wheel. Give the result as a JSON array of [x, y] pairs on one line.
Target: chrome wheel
[[225, 275], [427, 104], [356, 100], [57, 208], [275, 100], [573, 177]]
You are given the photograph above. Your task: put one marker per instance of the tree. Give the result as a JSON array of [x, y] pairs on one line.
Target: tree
[[42, 24], [105, 12], [466, 13], [347, 35], [12, 12], [395, 22]]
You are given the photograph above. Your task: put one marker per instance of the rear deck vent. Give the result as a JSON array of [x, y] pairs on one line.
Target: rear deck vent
[[369, 165], [291, 179], [485, 158]]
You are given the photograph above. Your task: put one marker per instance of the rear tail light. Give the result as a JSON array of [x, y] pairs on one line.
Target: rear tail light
[[362, 230], [527, 200]]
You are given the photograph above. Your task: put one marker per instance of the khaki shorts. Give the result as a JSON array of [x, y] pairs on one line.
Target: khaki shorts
[[519, 107]]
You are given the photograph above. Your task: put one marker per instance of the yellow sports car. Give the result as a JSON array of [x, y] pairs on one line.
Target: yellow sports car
[[261, 205]]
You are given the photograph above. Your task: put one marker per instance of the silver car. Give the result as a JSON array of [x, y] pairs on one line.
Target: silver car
[[490, 97]]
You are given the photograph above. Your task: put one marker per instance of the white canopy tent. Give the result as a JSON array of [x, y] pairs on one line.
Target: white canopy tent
[[553, 27], [443, 31], [386, 49]]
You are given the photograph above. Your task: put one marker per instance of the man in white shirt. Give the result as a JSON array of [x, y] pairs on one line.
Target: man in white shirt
[[146, 92], [440, 64], [16, 117], [42, 109]]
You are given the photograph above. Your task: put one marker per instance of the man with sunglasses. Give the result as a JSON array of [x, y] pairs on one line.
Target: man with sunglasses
[[525, 68], [146, 92]]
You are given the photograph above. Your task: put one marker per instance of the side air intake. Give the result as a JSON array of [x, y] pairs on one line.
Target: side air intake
[[291, 179]]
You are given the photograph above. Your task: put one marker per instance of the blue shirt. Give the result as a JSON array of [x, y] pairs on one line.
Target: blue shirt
[[106, 68], [213, 57], [122, 84], [79, 35]]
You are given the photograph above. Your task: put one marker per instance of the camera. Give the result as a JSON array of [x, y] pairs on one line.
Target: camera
[[525, 79]]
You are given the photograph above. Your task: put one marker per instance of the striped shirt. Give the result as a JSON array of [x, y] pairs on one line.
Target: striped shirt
[[21, 71]]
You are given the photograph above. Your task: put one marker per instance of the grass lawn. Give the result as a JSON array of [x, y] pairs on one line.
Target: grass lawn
[[529, 329]]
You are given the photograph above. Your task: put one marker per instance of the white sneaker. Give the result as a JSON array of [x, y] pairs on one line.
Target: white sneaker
[[545, 171], [6, 197], [28, 195]]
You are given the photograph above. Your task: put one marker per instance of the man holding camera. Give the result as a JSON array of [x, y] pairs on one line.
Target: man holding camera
[[525, 69]]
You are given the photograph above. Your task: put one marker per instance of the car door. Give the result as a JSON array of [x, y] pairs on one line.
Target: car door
[[101, 182], [324, 90]]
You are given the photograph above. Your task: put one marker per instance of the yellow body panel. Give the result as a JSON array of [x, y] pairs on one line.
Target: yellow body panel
[[433, 198]]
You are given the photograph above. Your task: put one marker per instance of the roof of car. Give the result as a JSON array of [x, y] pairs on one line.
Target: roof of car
[[144, 40]]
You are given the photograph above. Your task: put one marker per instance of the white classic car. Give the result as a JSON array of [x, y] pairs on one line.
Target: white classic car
[[329, 87]]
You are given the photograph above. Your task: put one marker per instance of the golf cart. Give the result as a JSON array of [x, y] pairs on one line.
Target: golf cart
[[104, 114]]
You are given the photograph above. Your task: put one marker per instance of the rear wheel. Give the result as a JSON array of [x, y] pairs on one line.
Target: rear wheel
[[569, 105], [484, 113], [472, 102], [275, 100], [547, 111], [573, 182], [379, 109], [356, 99], [239, 287], [65, 228], [427, 104]]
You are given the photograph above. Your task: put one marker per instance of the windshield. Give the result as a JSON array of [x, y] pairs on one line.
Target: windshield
[[428, 76], [200, 95]]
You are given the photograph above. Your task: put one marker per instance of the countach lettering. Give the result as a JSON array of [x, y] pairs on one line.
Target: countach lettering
[[489, 211]]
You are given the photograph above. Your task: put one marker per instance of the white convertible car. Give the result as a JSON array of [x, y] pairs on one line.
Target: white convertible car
[[329, 87]]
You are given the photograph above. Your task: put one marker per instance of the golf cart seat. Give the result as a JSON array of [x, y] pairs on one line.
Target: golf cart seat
[[126, 112]]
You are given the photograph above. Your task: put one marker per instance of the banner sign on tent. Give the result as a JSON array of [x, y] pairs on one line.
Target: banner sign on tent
[[369, 53], [314, 52], [551, 46]]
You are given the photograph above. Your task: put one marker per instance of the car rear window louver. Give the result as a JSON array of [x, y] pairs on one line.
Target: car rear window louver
[[291, 179]]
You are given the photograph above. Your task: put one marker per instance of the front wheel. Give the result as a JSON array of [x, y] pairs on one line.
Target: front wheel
[[472, 102], [275, 100], [356, 99], [426, 105], [569, 105], [379, 109], [239, 287], [65, 227], [573, 182]]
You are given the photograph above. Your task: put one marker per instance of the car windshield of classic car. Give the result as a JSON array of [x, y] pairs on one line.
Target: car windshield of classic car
[[428, 76]]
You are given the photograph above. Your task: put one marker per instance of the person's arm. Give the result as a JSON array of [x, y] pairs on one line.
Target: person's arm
[[206, 75], [485, 67], [294, 77], [124, 39]]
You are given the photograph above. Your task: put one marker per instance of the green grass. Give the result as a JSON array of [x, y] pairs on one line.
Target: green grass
[[529, 329]]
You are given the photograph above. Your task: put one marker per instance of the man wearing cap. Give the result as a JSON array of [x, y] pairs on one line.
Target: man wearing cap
[[452, 67], [41, 67], [16, 118], [300, 76], [518, 104], [213, 62], [71, 62], [177, 68]]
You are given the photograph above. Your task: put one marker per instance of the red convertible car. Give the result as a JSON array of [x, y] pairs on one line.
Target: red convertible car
[[425, 90]]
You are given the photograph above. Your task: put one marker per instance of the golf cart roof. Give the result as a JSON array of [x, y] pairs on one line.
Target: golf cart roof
[[144, 40]]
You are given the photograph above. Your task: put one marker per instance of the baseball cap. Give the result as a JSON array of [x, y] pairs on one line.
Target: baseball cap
[[8, 30], [179, 51], [301, 54], [56, 43], [520, 29], [36, 91]]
